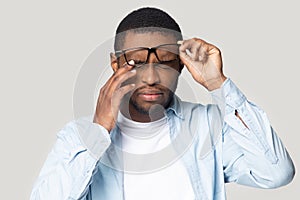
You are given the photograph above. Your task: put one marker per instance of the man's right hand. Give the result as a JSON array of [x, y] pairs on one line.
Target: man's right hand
[[110, 97]]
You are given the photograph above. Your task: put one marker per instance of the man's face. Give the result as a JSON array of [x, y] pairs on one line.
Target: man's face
[[155, 83]]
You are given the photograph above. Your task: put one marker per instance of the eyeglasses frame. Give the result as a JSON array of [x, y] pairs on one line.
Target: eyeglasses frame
[[150, 50]]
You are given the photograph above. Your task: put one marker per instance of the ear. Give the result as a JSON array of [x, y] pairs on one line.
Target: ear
[[181, 66], [114, 62]]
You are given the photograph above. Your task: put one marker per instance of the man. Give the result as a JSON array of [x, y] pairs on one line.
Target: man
[[143, 142]]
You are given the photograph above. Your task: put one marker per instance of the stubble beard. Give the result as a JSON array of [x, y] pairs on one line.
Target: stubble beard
[[146, 110]]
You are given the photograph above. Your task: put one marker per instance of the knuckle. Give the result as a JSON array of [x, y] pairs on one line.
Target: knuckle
[[121, 90], [116, 78], [102, 91]]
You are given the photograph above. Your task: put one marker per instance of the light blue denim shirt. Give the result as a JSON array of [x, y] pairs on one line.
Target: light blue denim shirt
[[215, 146]]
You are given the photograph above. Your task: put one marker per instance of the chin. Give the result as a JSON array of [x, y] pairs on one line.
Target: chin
[[147, 107]]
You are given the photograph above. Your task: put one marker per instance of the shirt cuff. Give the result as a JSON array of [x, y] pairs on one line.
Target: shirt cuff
[[93, 136], [228, 94]]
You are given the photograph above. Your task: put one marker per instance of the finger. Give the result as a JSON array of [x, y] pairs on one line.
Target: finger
[[184, 57], [184, 52], [189, 64], [203, 53], [119, 94], [123, 78], [119, 71], [195, 51], [117, 81], [191, 48], [206, 47], [189, 60], [122, 70]]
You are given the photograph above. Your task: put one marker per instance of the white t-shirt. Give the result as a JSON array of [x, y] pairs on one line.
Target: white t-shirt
[[171, 182]]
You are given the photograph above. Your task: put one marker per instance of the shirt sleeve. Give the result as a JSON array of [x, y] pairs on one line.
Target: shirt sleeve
[[253, 154], [72, 162]]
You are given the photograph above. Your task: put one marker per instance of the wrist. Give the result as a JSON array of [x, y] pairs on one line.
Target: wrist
[[215, 83], [104, 124]]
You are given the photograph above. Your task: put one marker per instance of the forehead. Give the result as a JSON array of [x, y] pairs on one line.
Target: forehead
[[147, 39]]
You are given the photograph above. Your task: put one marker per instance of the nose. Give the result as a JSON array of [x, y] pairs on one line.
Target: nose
[[150, 75]]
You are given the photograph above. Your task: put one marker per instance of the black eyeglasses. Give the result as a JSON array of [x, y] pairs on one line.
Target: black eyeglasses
[[166, 55]]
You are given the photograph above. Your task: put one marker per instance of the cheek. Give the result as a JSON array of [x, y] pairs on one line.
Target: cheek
[[170, 81]]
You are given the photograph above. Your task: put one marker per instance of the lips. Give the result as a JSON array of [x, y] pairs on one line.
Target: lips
[[150, 95]]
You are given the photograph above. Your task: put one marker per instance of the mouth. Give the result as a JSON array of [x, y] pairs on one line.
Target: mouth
[[150, 95]]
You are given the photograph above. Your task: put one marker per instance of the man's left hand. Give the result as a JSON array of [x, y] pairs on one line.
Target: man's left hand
[[204, 62]]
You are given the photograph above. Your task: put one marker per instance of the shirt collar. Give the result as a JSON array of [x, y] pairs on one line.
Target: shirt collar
[[176, 107]]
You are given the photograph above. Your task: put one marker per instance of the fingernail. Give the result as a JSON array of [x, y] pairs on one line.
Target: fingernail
[[180, 42], [133, 71], [131, 62]]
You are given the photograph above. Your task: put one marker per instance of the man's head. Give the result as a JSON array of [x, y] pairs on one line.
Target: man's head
[[149, 36], [146, 20]]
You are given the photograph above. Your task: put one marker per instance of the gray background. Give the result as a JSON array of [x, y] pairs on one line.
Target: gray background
[[43, 45]]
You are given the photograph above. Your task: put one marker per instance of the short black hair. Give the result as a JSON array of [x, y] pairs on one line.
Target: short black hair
[[147, 19]]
